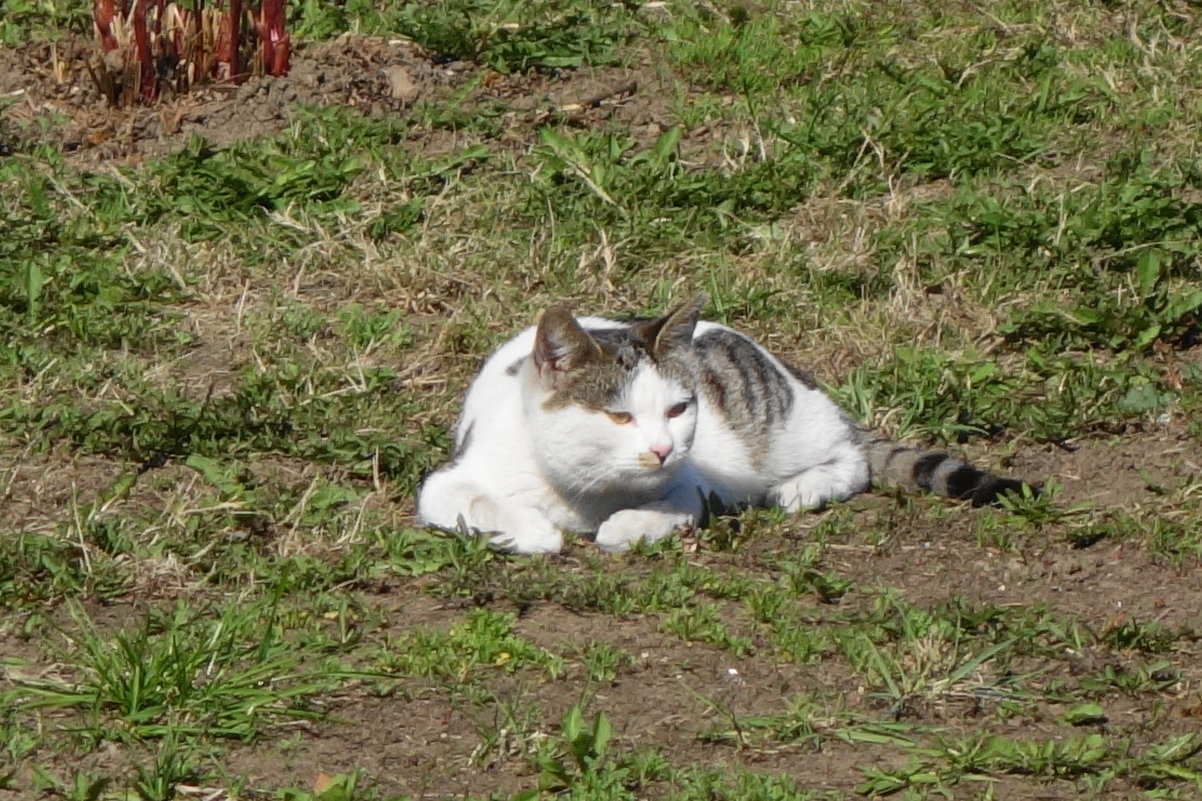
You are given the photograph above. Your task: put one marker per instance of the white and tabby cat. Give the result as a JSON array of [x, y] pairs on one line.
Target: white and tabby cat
[[627, 430]]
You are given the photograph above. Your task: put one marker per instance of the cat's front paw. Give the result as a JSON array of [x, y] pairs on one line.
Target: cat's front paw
[[527, 531], [529, 541], [509, 528], [623, 529]]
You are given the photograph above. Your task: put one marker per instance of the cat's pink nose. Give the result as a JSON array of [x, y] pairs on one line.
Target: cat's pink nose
[[662, 451]]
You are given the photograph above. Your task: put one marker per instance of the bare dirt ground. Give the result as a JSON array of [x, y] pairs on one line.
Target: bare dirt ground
[[420, 742], [373, 75], [425, 744]]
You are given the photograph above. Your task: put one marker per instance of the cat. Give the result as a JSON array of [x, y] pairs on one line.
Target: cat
[[629, 430]]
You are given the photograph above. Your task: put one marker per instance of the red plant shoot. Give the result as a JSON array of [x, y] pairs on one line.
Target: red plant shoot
[[159, 46], [142, 55], [235, 20], [102, 17], [277, 45]]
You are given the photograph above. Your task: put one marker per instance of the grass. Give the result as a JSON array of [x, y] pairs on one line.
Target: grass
[[230, 365], [165, 678]]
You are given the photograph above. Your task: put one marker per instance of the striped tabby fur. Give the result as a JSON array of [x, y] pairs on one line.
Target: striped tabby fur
[[626, 430], [916, 469]]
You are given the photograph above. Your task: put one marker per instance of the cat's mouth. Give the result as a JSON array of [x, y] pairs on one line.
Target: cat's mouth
[[650, 461], [651, 464]]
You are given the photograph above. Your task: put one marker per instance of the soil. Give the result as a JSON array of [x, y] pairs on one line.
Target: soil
[[422, 742], [373, 75]]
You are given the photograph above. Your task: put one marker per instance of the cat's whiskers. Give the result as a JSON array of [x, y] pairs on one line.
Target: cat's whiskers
[[587, 486], [578, 491]]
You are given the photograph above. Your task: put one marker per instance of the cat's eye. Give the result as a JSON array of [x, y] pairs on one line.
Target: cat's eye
[[621, 418], [678, 409]]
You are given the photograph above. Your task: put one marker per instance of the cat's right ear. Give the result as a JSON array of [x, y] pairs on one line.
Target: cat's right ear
[[561, 345], [675, 329]]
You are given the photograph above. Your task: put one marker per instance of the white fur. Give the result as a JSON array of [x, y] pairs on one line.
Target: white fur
[[528, 474]]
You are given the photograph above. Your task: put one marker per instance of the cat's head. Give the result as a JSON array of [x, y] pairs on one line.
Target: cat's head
[[613, 408]]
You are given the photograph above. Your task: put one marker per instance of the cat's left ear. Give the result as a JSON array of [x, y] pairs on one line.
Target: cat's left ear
[[561, 345], [673, 330]]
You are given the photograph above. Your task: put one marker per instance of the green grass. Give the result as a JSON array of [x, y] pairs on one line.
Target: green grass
[[174, 678], [228, 367]]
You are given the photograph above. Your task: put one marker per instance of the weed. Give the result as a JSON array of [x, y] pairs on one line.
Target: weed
[[483, 641], [799, 725], [170, 767], [604, 662], [1148, 637], [714, 784], [175, 677], [511, 37], [44, 16], [507, 725], [798, 640], [35, 567], [703, 624], [586, 745]]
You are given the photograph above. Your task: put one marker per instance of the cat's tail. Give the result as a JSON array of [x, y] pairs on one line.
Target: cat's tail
[[914, 469]]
